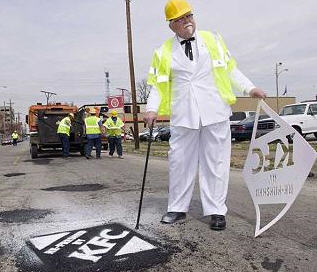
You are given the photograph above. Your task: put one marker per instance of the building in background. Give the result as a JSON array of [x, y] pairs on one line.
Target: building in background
[[245, 103], [8, 123]]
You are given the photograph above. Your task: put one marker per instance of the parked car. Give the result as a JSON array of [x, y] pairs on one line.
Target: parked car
[[243, 130], [145, 134], [163, 135], [238, 116], [127, 136], [6, 141], [301, 116]]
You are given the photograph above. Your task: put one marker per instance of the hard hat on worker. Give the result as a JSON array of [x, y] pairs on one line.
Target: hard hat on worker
[[71, 115], [176, 8], [114, 113]]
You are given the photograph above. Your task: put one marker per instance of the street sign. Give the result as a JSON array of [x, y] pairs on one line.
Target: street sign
[[277, 166], [115, 102], [111, 247]]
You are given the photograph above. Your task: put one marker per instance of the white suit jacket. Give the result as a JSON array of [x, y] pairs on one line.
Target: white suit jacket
[[196, 101]]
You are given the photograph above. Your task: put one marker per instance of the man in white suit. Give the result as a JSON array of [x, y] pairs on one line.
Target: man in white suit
[[191, 77]]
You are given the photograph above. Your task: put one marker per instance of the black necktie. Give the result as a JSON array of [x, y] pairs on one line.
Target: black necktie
[[188, 47]]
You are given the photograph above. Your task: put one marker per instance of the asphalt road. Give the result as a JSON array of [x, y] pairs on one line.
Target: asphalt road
[[55, 198]]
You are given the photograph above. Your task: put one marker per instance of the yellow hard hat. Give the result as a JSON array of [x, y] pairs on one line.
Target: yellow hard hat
[[114, 113], [176, 8]]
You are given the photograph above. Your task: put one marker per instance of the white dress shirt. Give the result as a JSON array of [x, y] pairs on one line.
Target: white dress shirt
[[195, 101]]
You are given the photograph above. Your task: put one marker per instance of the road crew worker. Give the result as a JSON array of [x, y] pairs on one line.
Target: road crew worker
[[15, 137], [191, 76], [63, 132], [93, 126], [114, 127]]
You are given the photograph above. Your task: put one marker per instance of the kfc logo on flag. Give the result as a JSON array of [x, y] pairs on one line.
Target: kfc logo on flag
[[115, 102]]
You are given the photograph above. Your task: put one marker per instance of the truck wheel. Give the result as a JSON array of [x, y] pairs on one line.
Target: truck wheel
[[33, 151], [105, 147]]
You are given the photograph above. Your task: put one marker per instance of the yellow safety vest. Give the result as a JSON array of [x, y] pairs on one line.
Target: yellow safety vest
[[114, 129], [92, 126], [15, 136], [222, 62], [64, 126]]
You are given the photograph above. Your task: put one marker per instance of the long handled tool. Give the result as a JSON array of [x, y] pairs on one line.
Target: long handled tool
[[144, 175]]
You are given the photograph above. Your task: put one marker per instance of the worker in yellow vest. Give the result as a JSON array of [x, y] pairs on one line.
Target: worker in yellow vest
[[93, 125], [63, 132], [190, 77], [114, 127], [15, 137]]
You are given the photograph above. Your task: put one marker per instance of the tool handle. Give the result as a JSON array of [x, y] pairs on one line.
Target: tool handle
[[144, 175]]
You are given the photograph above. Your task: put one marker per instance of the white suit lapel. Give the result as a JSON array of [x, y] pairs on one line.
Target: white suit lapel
[[202, 52]]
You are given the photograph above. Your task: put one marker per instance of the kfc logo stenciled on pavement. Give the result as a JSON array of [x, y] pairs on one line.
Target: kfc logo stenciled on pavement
[[115, 102], [109, 247]]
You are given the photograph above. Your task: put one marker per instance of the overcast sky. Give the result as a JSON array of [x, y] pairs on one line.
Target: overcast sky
[[64, 46]]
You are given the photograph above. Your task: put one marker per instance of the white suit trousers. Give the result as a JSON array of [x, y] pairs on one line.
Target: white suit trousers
[[209, 150]]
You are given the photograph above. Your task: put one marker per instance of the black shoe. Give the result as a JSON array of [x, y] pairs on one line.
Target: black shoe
[[217, 222], [98, 158], [172, 217], [88, 157]]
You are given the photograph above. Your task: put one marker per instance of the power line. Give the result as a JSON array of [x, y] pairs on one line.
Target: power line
[[48, 95]]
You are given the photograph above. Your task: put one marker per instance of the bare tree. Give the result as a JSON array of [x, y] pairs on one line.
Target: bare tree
[[143, 91]]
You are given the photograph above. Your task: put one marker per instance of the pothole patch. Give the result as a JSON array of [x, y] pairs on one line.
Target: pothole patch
[[77, 188], [23, 215], [9, 175]]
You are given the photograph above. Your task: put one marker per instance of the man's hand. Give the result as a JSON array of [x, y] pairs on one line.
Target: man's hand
[[257, 93], [150, 118]]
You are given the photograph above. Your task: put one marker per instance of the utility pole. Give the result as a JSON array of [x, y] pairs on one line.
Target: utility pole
[[4, 119], [10, 114], [122, 93], [132, 78], [48, 95], [107, 83], [277, 73], [17, 126]]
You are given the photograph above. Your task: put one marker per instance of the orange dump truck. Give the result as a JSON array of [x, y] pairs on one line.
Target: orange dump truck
[[43, 122]]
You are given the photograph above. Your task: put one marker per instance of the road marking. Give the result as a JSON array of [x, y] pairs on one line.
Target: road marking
[[44, 241], [135, 245]]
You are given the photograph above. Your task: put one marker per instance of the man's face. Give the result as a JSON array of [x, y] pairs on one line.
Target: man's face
[[184, 26]]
